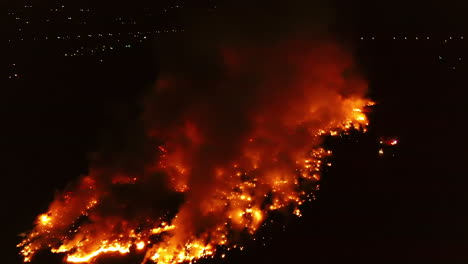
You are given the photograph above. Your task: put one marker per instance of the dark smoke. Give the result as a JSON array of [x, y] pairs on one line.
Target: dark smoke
[[269, 69], [200, 80], [214, 75]]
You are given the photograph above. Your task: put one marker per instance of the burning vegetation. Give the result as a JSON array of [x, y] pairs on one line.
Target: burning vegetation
[[220, 151]]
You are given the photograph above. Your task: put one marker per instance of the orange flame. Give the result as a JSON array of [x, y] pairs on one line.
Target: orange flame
[[229, 181]]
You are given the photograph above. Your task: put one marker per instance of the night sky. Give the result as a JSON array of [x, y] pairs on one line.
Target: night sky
[[64, 98]]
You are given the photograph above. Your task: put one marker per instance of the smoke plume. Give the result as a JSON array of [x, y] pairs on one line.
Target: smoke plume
[[231, 131]]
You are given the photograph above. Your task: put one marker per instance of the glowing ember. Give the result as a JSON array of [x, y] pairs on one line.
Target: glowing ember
[[387, 144], [388, 141], [44, 219], [232, 163], [140, 245]]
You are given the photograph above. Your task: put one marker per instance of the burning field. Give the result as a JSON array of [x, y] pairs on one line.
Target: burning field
[[225, 141], [225, 157]]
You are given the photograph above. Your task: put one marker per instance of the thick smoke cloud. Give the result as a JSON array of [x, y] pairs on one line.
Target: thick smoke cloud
[[244, 91], [229, 68]]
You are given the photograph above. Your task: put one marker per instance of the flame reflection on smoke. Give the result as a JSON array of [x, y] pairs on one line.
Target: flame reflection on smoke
[[248, 145]]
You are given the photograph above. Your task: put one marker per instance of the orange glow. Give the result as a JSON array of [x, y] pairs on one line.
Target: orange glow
[[84, 258], [140, 245], [164, 227], [45, 219], [227, 173]]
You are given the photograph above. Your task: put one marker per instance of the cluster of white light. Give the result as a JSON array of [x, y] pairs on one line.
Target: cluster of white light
[[407, 38], [138, 34]]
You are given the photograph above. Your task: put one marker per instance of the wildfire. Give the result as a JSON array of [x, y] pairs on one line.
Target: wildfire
[[229, 180]]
